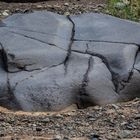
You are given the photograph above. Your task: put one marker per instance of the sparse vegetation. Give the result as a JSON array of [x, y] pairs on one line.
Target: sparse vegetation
[[127, 9]]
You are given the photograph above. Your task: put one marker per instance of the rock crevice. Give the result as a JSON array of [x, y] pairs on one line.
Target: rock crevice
[[70, 44], [82, 100]]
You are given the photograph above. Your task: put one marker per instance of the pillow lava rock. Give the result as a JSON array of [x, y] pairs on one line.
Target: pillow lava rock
[[49, 61]]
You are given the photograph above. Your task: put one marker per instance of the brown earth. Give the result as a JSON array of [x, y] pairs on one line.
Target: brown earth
[[110, 122], [59, 6]]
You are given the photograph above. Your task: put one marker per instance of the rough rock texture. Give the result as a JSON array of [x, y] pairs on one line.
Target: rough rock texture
[[49, 61]]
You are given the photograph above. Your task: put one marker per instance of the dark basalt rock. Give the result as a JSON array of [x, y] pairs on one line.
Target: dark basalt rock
[[49, 61]]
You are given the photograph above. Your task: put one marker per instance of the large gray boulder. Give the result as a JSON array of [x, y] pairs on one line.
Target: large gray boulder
[[49, 61]]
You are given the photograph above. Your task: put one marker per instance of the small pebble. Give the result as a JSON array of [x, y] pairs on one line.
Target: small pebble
[[46, 120], [5, 13], [39, 6], [57, 137], [66, 4], [125, 134], [66, 13], [38, 128], [137, 117]]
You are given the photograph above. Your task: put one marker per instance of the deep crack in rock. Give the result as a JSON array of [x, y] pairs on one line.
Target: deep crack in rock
[[125, 82], [50, 34], [104, 41], [83, 99], [4, 58], [36, 39], [12, 102], [70, 44], [104, 60]]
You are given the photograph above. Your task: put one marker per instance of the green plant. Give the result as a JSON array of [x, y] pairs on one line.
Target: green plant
[[128, 9]]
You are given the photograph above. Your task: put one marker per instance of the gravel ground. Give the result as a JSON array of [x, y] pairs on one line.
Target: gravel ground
[[60, 6], [110, 122]]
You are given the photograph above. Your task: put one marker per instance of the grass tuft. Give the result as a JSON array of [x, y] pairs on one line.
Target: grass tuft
[[127, 9]]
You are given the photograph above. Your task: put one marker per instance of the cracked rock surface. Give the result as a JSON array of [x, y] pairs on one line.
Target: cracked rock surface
[[49, 61]]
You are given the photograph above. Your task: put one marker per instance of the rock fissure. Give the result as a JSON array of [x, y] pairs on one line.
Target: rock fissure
[[37, 72], [115, 79], [85, 77], [33, 38], [12, 99], [105, 41], [4, 58], [50, 34], [5, 63], [24, 69], [125, 82], [12, 102], [137, 70], [83, 102], [70, 44]]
